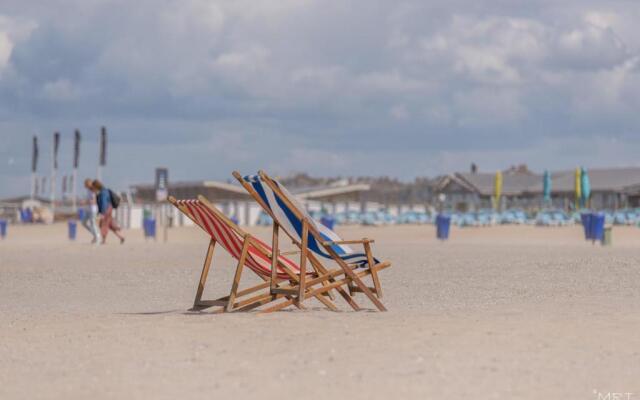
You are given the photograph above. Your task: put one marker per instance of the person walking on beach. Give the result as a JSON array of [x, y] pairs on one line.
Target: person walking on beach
[[107, 202], [91, 213]]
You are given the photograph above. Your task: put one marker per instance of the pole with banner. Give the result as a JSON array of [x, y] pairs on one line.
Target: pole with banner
[[103, 151], [76, 162], [54, 170], [34, 168], [162, 192]]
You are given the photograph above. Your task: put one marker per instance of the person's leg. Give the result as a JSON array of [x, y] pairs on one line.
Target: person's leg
[[105, 222], [94, 229], [116, 229], [88, 224]]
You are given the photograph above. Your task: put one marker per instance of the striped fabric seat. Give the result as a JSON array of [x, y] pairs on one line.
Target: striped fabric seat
[[231, 241], [293, 225]]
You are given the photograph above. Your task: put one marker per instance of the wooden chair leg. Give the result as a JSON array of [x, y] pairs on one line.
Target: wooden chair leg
[[275, 250], [303, 261], [374, 274], [346, 296], [205, 273], [238, 274]]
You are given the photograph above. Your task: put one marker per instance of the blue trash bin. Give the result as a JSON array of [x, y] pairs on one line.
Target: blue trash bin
[[73, 228], [443, 223], [149, 225], [82, 213], [3, 228], [328, 221], [586, 224], [597, 226]]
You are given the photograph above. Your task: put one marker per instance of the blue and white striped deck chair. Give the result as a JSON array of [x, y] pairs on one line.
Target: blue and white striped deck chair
[[274, 204]]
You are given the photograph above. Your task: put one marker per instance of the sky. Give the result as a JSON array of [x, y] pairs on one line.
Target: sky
[[370, 87]]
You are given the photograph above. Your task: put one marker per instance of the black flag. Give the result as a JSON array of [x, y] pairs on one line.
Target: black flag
[[34, 155], [56, 145], [76, 149], [103, 146]]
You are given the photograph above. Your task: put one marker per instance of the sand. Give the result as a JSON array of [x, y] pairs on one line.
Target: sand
[[503, 312]]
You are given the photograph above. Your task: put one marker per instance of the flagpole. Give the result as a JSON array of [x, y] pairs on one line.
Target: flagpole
[[76, 161], [103, 151], [52, 180], [34, 167], [54, 170], [33, 185]]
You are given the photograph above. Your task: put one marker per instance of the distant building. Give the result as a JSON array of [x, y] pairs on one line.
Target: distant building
[[611, 188], [234, 200]]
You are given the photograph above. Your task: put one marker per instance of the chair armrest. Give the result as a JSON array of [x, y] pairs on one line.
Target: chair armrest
[[361, 241]]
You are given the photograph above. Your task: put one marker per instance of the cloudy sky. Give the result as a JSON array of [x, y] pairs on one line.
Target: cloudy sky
[[400, 88]]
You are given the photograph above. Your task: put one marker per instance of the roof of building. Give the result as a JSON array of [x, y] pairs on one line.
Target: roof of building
[[518, 182], [328, 191], [512, 183], [189, 184], [601, 179], [310, 193]]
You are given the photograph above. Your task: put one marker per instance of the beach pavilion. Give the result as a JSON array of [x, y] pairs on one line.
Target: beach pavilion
[[234, 201]]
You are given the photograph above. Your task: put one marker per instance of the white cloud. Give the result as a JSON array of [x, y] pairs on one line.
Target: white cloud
[[405, 81], [6, 46]]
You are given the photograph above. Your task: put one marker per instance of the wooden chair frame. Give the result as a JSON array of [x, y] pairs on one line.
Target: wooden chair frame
[[234, 301], [352, 279], [273, 288]]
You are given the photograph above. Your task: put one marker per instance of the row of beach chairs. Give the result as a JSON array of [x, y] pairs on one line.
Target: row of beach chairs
[[325, 264]]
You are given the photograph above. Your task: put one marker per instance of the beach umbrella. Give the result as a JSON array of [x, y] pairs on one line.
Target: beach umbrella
[[585, 187], [546, 186], [497, 186], [578, 186]]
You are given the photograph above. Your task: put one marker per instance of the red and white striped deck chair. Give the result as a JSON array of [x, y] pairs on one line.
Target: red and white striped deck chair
[[251, 253]]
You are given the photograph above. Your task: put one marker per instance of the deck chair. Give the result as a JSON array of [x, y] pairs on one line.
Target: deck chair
[[253, 254], [313, 239]]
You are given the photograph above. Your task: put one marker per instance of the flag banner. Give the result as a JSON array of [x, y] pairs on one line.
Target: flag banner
[[34, 155], [103, 146], [56, 146], [64, 184], [76, 149]]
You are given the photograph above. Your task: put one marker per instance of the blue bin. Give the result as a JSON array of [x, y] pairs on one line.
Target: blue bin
[[82, 213], [328, 221], [3, 228], [73, 229], [25, 215], [597, 226], [149, 225], [586, 224], [443, 223]]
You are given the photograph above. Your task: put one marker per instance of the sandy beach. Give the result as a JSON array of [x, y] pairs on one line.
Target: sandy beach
[[514, 312]]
